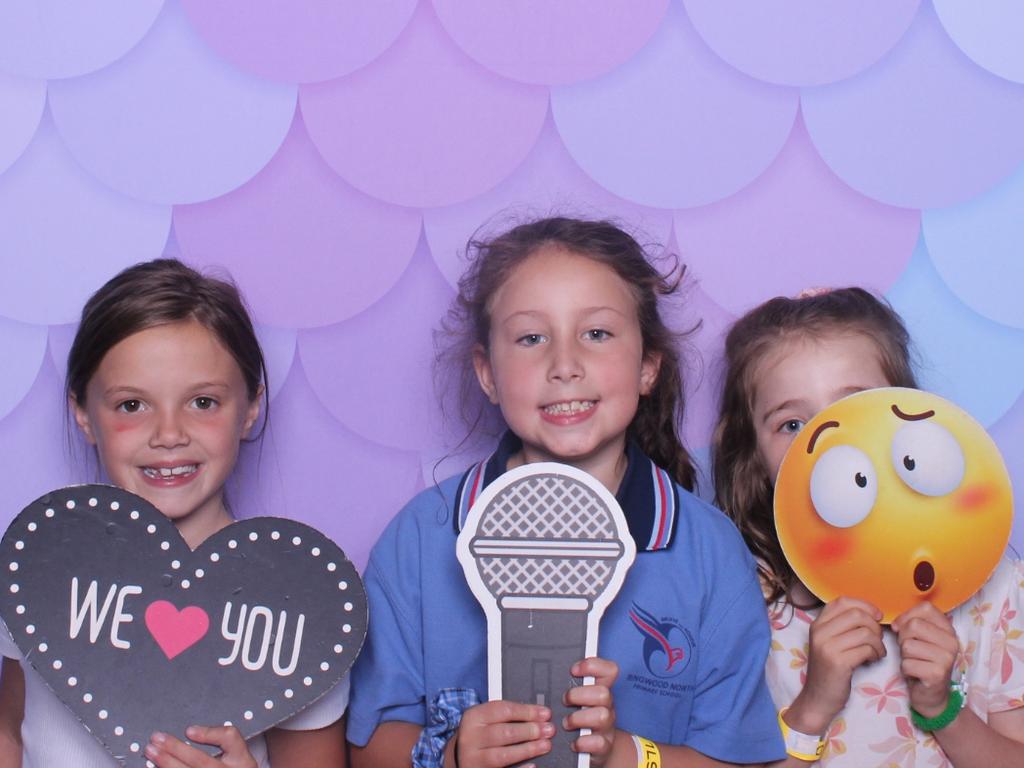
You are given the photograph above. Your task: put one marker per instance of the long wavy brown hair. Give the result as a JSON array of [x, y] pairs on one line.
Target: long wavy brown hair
[[743, 488], [657, 424]]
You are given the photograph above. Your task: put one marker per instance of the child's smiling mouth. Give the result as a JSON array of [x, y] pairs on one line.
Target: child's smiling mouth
[[168, 473], [569, 407]]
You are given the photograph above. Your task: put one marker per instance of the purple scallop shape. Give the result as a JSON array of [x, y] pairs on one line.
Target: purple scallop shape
[[373, 371], [57, 220], [549, 182], [797, 226], [551, 43], [23, 349], [305, 248], [675, 126], [801, 42], [171, 122], [965, 357], [977, 247], [989, 31], [925, 128], [1008, 433], [424, 125], [34, 446], [310, 468], [317, 40], [67, 38], [21, 103]]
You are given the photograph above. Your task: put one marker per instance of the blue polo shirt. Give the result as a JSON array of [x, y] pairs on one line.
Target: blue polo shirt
[[688, 628]]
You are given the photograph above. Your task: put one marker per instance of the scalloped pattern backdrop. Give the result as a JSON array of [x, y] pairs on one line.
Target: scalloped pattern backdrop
[[335, 157]]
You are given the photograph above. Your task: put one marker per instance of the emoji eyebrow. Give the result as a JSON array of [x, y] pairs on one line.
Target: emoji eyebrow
[[911, 416], [821, 428]]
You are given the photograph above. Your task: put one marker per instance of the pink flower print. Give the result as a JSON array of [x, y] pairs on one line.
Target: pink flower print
[[804, 616], [965, 657], [978, 611], [888, 699], [901, 749], [834, 746], [1006, 644]]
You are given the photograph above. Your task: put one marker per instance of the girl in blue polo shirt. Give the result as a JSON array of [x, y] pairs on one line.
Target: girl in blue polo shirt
[[557, 322]]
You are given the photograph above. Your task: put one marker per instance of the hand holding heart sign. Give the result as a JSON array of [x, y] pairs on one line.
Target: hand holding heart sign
[[136, 633]]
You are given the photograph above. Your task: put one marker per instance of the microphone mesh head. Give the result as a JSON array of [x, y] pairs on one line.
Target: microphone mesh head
[[551, 508]]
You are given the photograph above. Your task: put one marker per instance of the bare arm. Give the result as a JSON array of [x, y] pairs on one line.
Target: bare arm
[[12, 712], [390, 745], [324, 747], [969, 742]]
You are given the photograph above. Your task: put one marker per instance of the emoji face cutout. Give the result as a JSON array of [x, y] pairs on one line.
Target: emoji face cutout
[[893, 496]]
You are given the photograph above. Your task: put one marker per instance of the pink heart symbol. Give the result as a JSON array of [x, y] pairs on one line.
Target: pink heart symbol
[[176, 631]]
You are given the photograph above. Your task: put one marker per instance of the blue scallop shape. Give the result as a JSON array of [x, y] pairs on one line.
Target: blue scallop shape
[[23, 349], [977, 248], [967, 358]]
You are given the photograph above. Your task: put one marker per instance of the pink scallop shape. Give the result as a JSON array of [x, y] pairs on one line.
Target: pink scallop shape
[[373, 372], [67, 38], [33, 441], [989, 31], [551, 43], [801, 42], [21, 103], [925, 128], [23, 350], [318, 40], [675, 126], [310, 468], [306, 249], [797, 226], [547, 183], [171, 122], [424, 125], [64, 234]]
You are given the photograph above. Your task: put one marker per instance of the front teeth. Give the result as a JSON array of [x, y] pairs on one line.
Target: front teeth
[[576, 406], [165, 472]]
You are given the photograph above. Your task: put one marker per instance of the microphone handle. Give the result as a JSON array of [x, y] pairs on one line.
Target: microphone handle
[[539, 647]]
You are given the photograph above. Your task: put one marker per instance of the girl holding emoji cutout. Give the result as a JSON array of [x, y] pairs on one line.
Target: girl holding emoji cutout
[[932, 688], [165, 380]]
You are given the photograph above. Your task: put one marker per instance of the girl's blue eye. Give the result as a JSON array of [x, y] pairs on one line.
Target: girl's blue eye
[[598, 334], [130, 406], [204, 403], [530, 339], [791, 426]]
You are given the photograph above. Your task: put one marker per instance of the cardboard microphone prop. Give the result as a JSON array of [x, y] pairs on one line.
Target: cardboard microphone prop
[[135, 632], [545, 549], [894, 496]]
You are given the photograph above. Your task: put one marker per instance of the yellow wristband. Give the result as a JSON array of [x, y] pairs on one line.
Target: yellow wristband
[[802, 746], [647, 753]]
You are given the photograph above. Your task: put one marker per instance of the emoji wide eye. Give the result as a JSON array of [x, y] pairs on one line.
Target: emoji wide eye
[[928, 458], [843, 486]]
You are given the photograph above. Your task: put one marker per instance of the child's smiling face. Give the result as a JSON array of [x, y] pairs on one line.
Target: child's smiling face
[[167, 408], [565, 362]]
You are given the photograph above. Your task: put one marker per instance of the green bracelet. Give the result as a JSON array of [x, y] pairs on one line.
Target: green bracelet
[[945, 717]]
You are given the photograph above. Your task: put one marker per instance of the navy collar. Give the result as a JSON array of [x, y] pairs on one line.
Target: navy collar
[[647, 495]]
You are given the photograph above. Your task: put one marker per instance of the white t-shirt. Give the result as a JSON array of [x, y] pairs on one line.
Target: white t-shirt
[[875, 729], [52, 737]]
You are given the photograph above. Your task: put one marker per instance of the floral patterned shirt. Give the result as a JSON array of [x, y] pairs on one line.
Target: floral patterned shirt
[[875, 727]]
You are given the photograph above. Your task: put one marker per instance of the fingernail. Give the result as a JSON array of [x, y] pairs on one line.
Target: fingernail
[[565, 723], [158, 737], [547, 730], [151, 751]]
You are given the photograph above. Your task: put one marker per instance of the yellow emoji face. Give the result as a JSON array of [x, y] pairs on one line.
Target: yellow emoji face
[[893, 496]]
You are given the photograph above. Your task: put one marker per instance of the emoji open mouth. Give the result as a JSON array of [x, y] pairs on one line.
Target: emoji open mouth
[[924, 576]]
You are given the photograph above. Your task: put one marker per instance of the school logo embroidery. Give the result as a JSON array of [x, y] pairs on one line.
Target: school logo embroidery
[[666, 645]]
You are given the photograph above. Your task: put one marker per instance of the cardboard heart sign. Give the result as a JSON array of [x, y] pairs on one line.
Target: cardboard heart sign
[[134, 632]]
